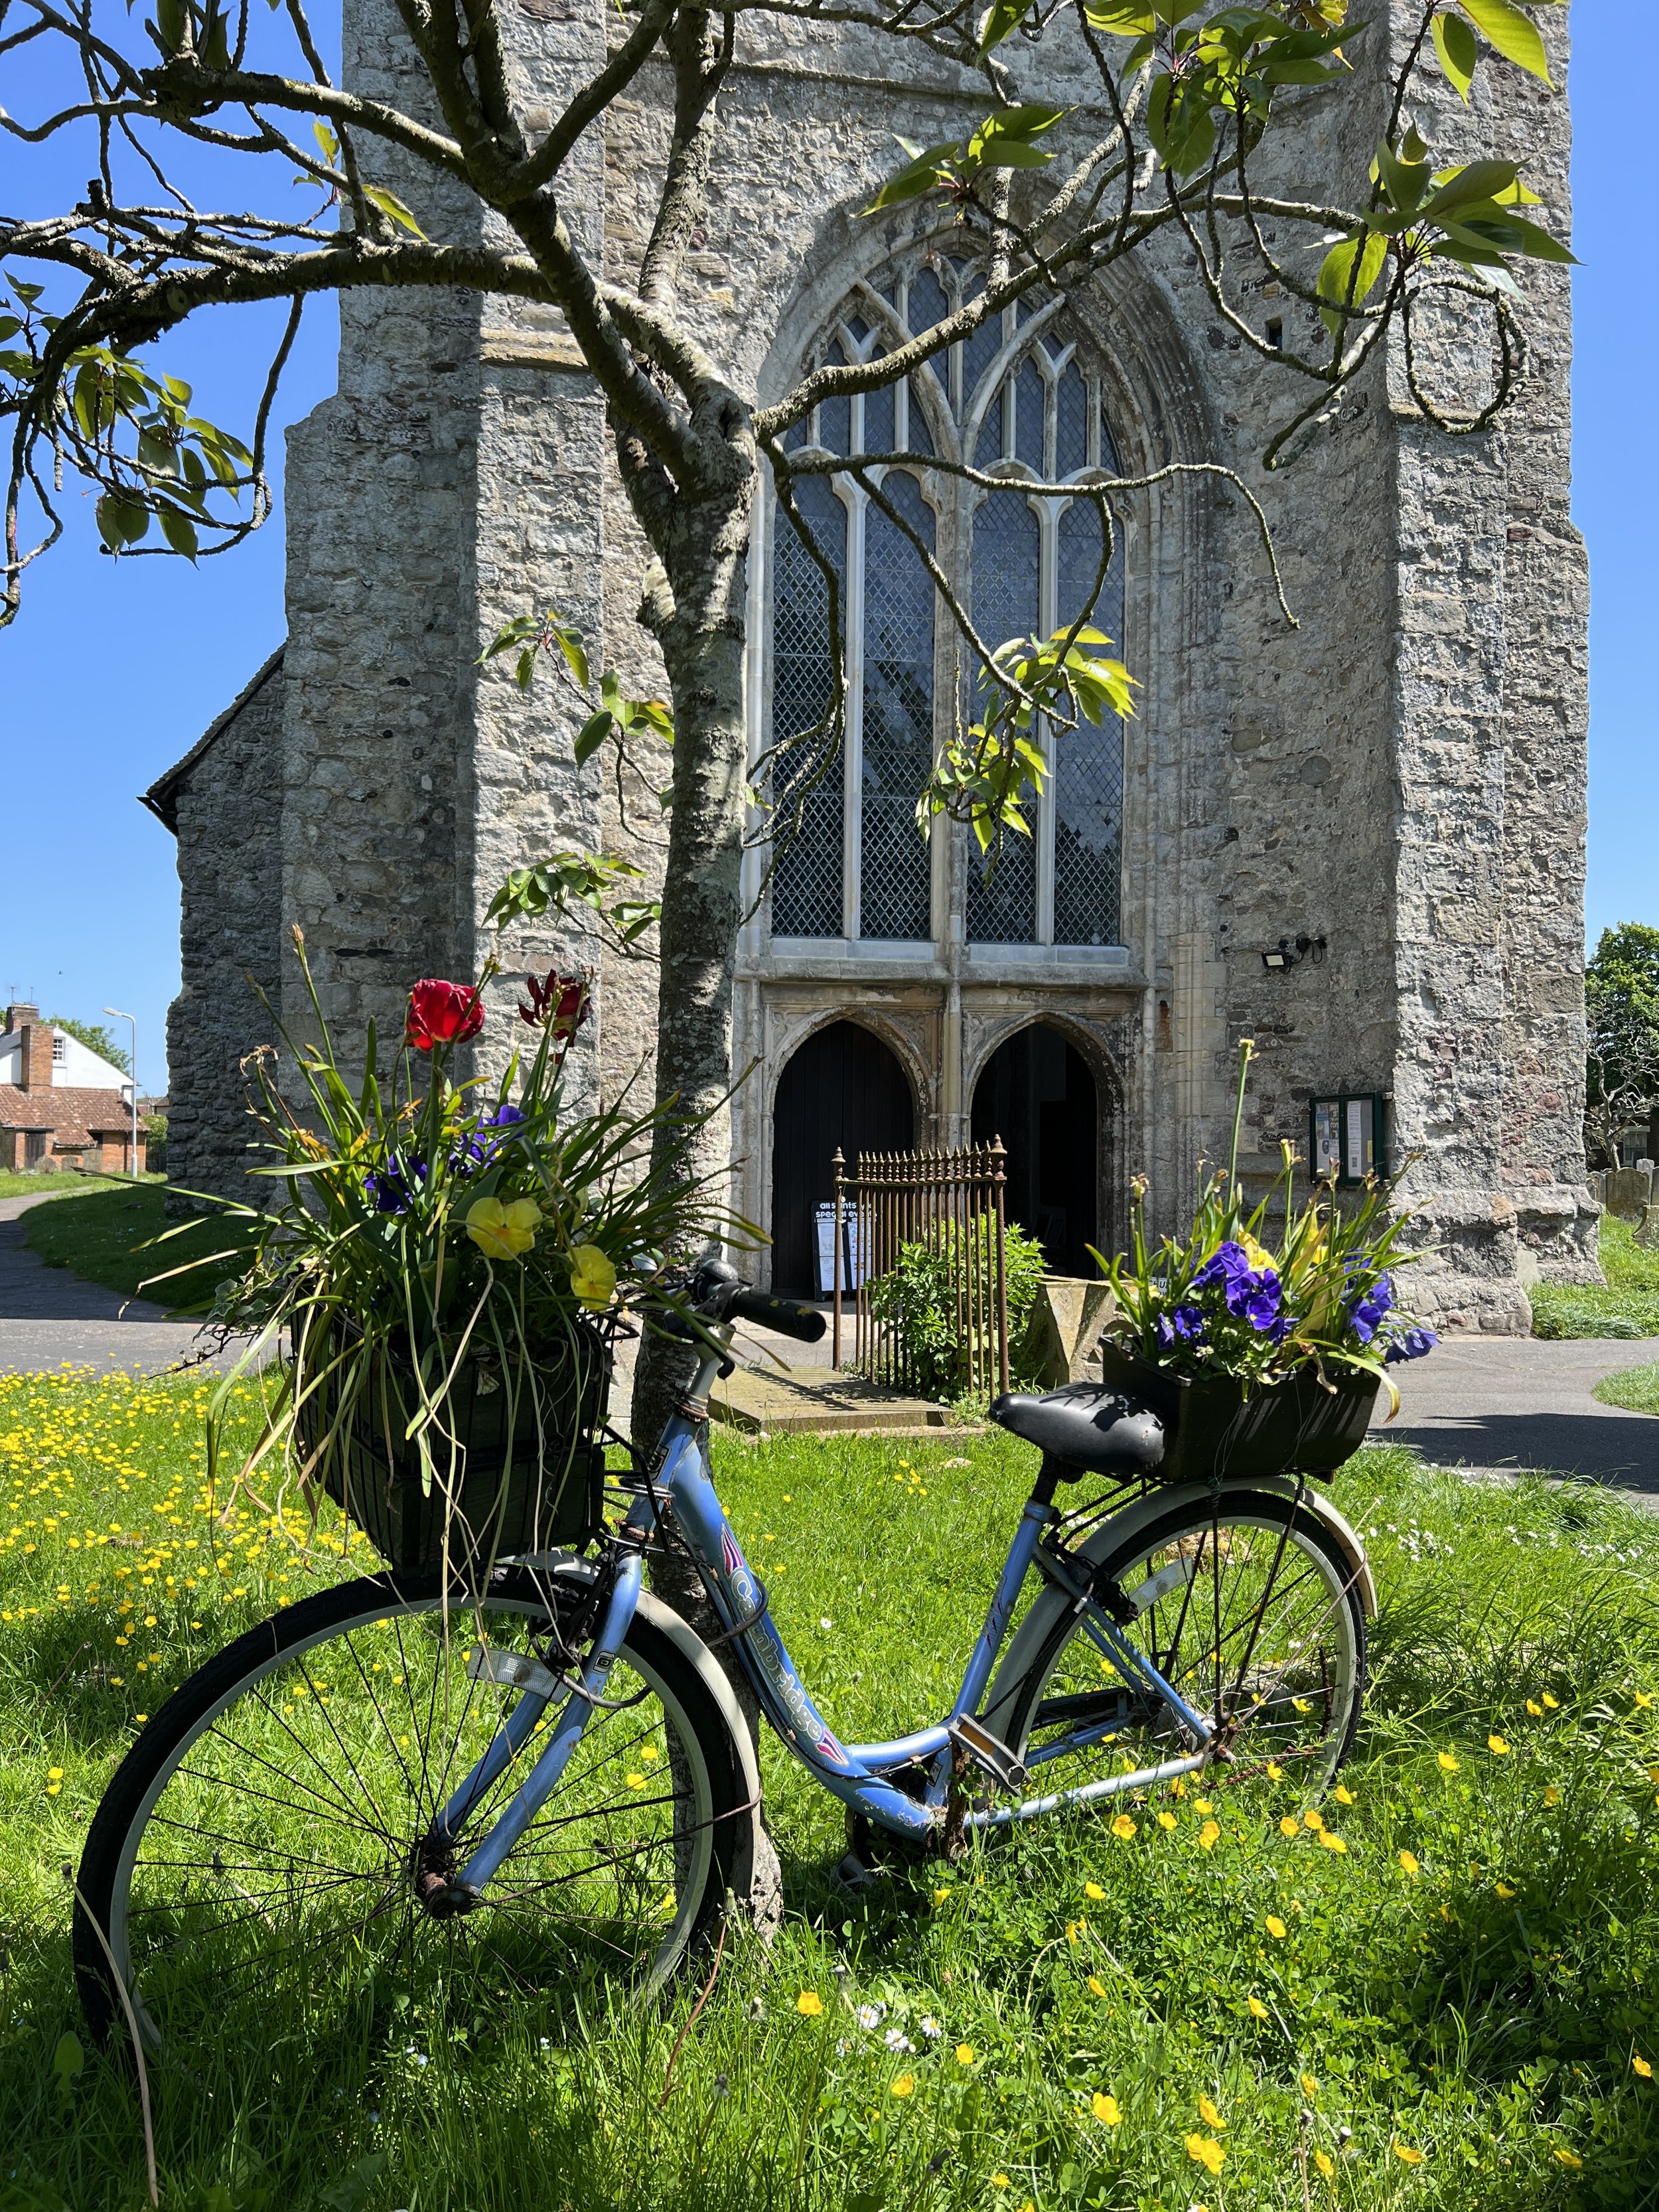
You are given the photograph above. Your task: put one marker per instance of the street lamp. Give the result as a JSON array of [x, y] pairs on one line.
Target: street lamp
[[117, 1015]]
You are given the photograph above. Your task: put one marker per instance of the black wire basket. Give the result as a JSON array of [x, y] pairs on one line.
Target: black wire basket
[[515, 1466], [1219, 1427]]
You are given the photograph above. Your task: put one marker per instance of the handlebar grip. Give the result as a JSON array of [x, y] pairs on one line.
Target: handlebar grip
[[784, 1314]]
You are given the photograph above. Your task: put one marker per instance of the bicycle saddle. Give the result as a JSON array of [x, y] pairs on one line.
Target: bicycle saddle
[[1087, 1428]]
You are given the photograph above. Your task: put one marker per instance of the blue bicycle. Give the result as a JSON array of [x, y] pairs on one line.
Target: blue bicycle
[[542, 1771]]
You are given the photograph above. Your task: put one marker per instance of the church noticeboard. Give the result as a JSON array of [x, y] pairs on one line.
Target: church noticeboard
[[1345, 1136]]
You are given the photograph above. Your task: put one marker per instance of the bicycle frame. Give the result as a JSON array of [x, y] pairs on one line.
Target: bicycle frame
[[860, 1775]]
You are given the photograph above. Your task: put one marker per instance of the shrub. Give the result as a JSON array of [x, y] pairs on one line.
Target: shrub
[[921, 1298]]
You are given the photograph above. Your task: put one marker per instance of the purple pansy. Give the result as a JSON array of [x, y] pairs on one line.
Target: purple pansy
[[1413, 1344], [393, 1186], [1184, 1326], [479, 1149], [1371, 1308]]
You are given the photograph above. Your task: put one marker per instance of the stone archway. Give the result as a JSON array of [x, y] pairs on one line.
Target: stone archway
[[1037, 1093], [842, 1090]]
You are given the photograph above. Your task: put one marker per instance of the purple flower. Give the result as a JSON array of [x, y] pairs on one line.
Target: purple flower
[[1184, 1326], [393, 1186], [1223, 1267], [1411, 1344], [478, 1150], [1371, 1308], [1256, 1297]]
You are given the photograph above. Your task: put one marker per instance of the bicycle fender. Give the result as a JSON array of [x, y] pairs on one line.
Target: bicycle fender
[[1035, 1629], [714, 1678]]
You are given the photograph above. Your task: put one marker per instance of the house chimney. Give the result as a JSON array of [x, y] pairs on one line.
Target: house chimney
[[34, 1060]]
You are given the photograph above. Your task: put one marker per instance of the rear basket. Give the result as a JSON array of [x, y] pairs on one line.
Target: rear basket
[[549, 1498], [1215, 1428]]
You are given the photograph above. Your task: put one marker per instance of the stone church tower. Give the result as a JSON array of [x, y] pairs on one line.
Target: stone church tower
[[1391, 795]]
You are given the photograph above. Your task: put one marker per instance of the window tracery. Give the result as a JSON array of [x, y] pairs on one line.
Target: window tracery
[[1018, 399]]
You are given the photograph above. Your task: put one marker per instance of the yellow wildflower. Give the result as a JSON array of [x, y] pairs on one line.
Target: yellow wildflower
[[1535, 1709], [1104, 2107], [1202, 1805], [1496, 1745], [903, 2086], [1310, 2087], [1551, 1794], [939, 1896], [1210, 1834], [1504, 1891], [1208, 2113], [1554, 1704], [1642, 1698], [964, 2054], [1166, 1819], [1448, 1763], [1124, 1827], [1093, 1891], [1276, 1926], [1288, 1827], [1568, 2158], [1408, 1862], [1205, 2151], [1407, 2155], [999, 2181], [809, 2004], [1332, 1842], [1343, 1794], [1312, 1820], [1258, 2010], [1641, 2066], [1096, 1985], [1274, 1773], [503, 1231]]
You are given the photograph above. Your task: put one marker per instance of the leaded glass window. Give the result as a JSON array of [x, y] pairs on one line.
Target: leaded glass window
[[1016, 399]]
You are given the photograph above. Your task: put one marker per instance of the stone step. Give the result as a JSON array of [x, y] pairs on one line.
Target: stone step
[[817, 1402]]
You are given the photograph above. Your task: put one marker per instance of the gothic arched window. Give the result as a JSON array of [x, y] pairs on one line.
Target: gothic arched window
[[1018, 401]]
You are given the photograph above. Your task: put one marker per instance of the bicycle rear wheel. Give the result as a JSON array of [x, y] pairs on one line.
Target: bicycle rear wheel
[[259, 1845], [1250, 1609]]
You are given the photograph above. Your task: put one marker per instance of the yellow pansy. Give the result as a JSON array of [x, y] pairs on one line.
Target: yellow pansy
[[592, 1276], [503, 1232]]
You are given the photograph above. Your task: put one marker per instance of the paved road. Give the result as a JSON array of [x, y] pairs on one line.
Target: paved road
[[50, 1318], [1508, 1403]]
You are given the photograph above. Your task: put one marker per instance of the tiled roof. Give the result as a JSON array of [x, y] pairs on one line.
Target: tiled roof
[[75, 1116]]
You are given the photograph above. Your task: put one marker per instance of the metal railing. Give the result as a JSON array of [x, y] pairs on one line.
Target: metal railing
[[952, 1205]]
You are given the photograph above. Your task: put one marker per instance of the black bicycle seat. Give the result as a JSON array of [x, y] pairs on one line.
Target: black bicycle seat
[[1087, 1428]]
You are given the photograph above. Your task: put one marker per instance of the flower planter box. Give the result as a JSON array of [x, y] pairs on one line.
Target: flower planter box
[[544, 1494], [1217, 1428]]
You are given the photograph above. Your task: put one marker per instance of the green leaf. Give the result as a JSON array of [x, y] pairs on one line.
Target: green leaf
[[1505, 232], [179, 532], [1000, 22], [593, 734], [1510, 33], [121, 519], [28, 294], [327, 141], [1455, 44], [1338, 272], [170, 23], [16, 364], [389, 204], [10, 326], [216, 47], [1481, 180], [917, 177], [67, 2058], [523, 672], [1124, 22], [569, 642]]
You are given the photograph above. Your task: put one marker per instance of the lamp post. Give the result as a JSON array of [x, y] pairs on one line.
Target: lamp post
[[117, 1015]]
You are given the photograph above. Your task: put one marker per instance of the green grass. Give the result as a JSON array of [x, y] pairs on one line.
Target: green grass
[[1637, 1389], [1629, 1306], [1484, 2009], [58, 1185], [103, 1234]]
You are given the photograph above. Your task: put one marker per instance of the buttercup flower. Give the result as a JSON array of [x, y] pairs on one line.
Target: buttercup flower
[[1205, 2151], [1326, 2164], [1276, 1926], [809, 2004], [442, 1013], [1407, 2155], [1504, 1891], [1166, 1819], [1258, 2010], [1408, 1862], [964, 2054], [1208, 2113], [1210, 1834], [1448, 1764], [503, 1231], [1124, 1827], [1568, 2158], [1641, 2066], [903, 2086], [1496, 1745], [1290, 1828], [1310, 2087], [592, 1276], [1554, 1704], [1104, 2108], [1098, 1986], [1092, 1890]]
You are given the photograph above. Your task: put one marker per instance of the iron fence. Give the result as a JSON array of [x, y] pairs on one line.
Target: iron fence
[[943, 1215]]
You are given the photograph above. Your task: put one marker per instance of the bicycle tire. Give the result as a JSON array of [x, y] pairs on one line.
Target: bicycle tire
[[155, 1908], [1302, 1721]]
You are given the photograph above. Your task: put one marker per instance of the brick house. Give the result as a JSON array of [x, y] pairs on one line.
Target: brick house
[[61, 1106]]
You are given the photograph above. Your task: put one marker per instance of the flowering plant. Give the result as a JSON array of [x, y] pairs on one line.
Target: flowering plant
[[1220, 1303], [433, 1240]]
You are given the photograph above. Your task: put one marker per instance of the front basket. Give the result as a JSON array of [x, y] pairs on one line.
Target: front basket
[[490, 1496], [1212, 1428]]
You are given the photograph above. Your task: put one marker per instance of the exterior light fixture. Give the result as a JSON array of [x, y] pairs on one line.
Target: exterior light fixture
[[1289, 952]]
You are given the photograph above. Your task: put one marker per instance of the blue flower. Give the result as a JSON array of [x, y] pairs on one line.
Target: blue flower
[[1369, 1310], [393, 1186], [1184, 1326], [479, 1150], [1223, 1268], [1256, 1297], [1411, 1344]]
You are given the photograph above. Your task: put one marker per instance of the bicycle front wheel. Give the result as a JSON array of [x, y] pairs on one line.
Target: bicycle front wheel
[[266, 1841], [1250, 1609]]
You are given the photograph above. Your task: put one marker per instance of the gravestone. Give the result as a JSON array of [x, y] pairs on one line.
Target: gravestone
[[1063, 1333], [1629, 1193]]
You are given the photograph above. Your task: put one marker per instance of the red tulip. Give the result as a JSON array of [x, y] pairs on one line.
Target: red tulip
[[442, 1013], [558, 1003]]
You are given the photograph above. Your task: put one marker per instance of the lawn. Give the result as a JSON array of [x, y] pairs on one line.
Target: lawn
[[1629, 1306], [107, 1234], [60, 1185], [1457, 2008]]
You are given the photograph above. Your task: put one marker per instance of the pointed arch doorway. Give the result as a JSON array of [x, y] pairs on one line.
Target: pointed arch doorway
[[1037, 1093], [843, 1089]]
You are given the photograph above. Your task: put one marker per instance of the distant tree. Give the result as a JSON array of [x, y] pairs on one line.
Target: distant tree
[[96, 1038], [1621, 1001]]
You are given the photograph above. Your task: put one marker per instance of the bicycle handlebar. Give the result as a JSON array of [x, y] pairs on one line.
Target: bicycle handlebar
[[784, 1314]]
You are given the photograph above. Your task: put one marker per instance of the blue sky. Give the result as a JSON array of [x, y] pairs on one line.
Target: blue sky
[[113, 669]]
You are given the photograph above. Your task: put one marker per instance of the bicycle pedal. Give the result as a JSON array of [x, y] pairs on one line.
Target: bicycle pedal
[[988, 1752], [513, 1670]]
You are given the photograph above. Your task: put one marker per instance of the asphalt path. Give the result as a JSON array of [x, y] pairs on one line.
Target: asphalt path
[[50, 1318]]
